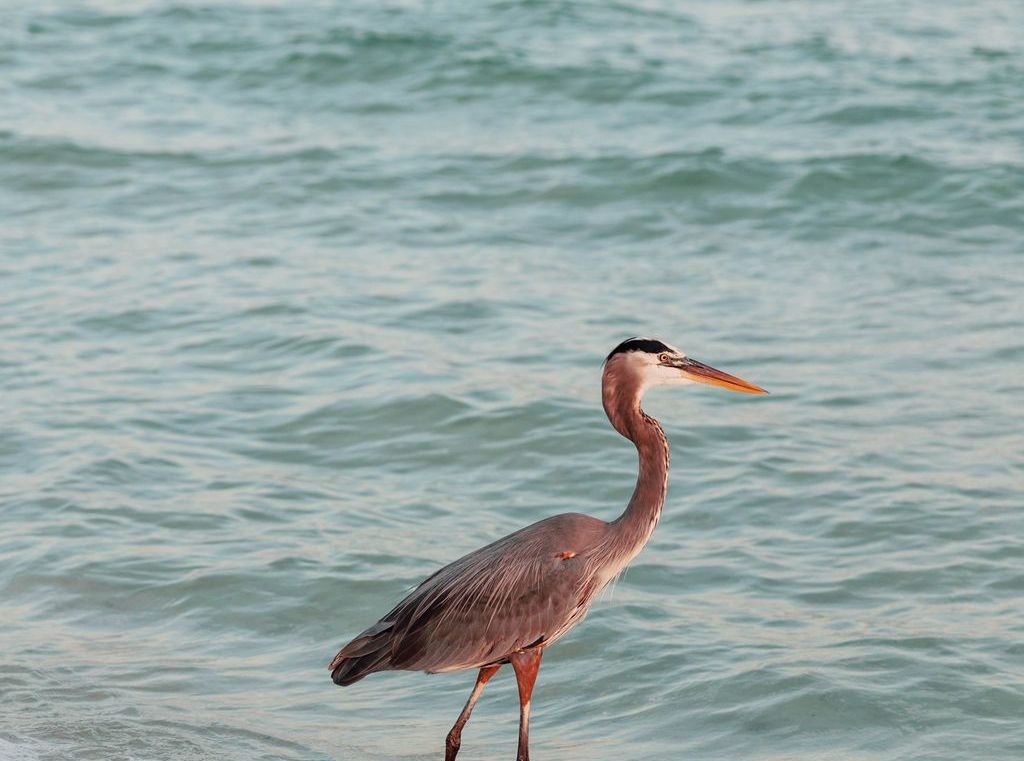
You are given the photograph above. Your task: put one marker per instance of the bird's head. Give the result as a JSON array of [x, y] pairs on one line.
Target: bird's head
[[640, 363]]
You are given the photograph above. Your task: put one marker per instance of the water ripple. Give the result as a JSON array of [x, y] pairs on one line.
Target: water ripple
[[305, 301]]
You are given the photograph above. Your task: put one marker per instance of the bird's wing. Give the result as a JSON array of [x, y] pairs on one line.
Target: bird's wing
[[521, 591]]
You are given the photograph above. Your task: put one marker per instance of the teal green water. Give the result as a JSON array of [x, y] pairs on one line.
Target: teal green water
[[301, 301]]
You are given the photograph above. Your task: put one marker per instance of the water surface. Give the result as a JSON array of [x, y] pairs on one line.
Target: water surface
[[301, 301]]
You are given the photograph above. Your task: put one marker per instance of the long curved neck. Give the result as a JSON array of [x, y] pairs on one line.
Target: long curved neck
[[633, 528]]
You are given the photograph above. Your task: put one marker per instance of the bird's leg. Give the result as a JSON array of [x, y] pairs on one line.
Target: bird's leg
[[526, 665], [454, 740]]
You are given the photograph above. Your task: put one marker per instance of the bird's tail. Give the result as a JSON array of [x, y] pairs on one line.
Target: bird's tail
[[369, 652]]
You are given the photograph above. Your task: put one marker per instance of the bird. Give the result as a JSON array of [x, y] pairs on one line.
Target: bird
[[507, 602]]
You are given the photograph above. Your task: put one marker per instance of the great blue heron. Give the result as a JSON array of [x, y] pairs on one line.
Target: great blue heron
[[508, 601]]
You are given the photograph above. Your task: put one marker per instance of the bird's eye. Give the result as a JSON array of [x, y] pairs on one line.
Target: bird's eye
[[663, 357]]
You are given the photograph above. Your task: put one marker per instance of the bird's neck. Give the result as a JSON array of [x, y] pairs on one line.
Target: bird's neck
[[634, 527]]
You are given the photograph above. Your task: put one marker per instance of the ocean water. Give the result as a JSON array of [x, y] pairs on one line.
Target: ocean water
[[303, 300]]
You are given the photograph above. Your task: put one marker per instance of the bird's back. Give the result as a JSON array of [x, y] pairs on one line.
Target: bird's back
[[522, 591]]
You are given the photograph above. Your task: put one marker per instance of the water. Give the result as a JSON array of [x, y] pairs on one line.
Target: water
[[302, 301]]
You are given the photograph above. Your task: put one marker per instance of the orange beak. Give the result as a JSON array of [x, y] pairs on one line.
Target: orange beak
[[698, 371]]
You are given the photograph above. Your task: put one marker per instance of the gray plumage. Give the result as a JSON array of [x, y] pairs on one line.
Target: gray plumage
[[506, 602], [515, 593]]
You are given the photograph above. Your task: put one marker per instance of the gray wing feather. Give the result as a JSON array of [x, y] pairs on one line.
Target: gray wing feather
[[521, 591]]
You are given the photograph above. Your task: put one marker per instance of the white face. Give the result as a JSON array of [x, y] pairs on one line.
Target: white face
[[654, 369], [640, 370]]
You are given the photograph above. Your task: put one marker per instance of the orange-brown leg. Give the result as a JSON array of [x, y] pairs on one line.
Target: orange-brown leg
[[454, 740], [526, 665]]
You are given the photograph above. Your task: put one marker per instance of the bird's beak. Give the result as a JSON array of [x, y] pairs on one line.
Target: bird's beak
[[701, 373]]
